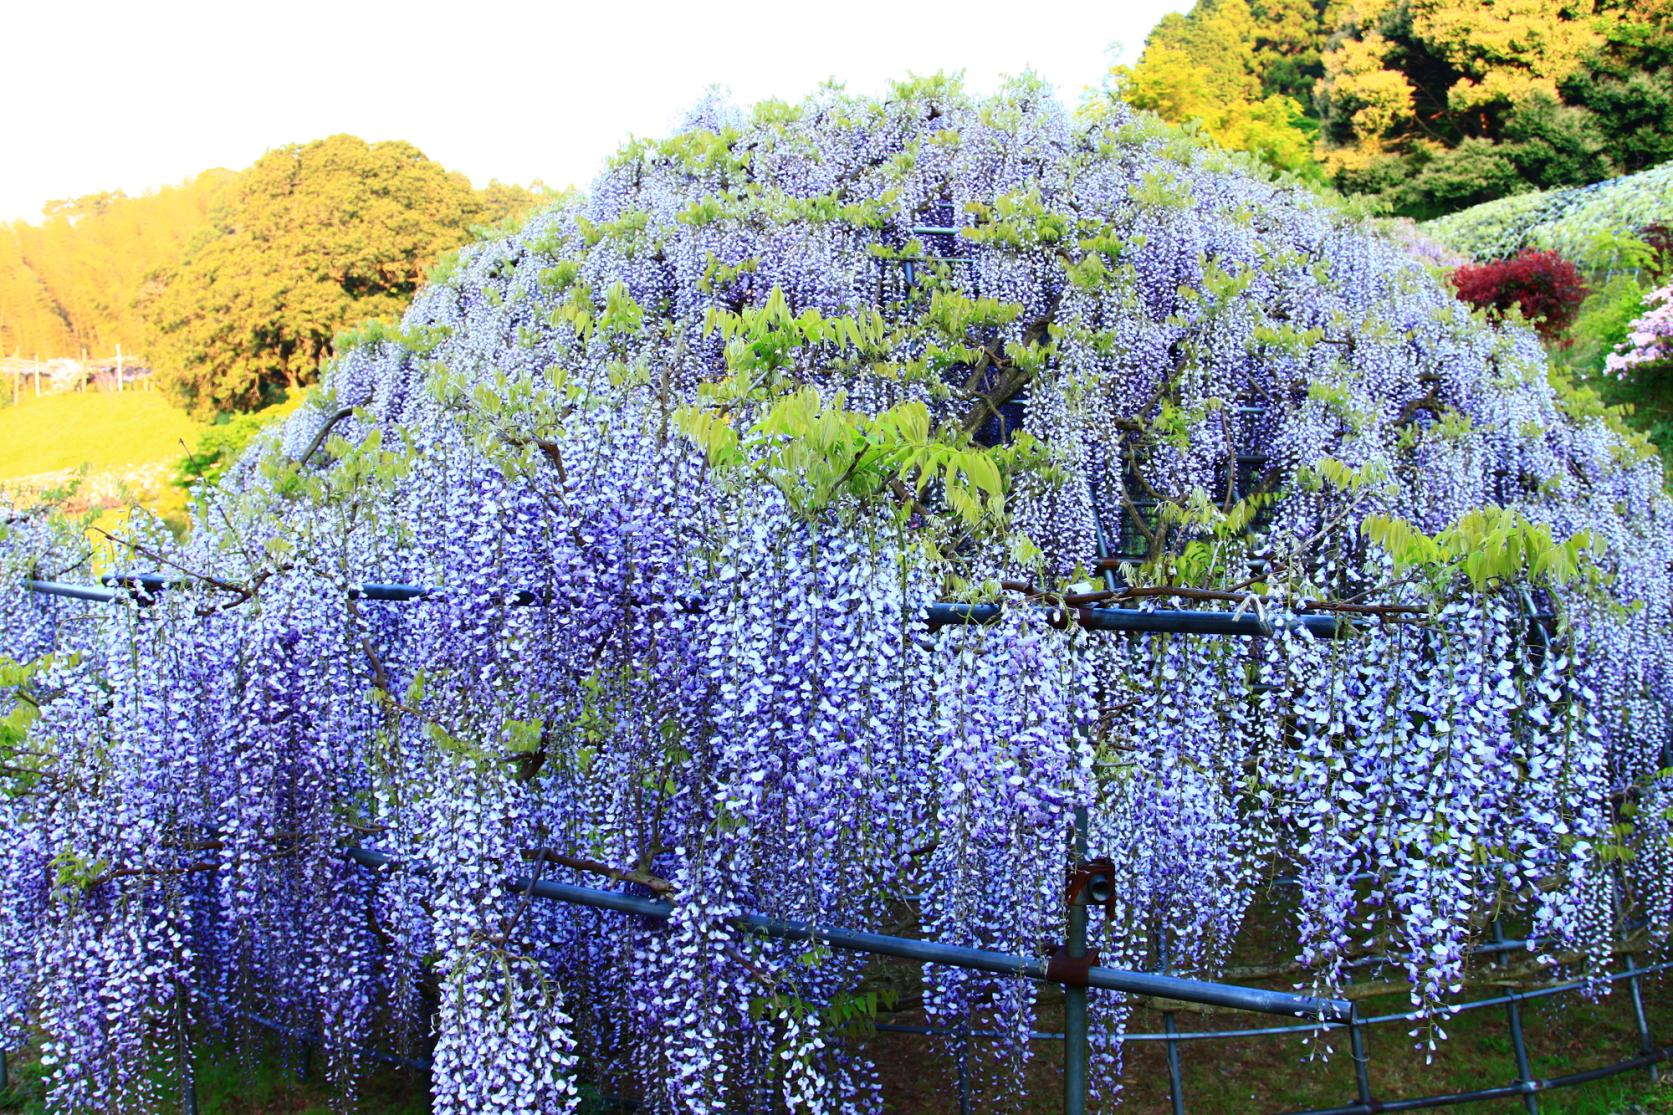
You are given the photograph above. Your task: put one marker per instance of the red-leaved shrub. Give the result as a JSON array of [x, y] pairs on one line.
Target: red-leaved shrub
[[1659, 237], [1547, 287]]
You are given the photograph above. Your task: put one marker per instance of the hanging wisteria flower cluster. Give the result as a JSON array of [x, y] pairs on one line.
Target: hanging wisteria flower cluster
[[681, 468]]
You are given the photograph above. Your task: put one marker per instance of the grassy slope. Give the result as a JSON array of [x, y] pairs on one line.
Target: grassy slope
[[103, 430]]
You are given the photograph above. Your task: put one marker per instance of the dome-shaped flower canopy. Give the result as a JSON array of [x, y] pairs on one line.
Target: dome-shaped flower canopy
[[683, 464]]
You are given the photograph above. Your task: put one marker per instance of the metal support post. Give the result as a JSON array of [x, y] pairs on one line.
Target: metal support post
[[1645, 1045], [1513, 1012], [1176, 1083], [964, 1073], [1074, 998], [1103, 540], [188, 1068], [1362, 1064]]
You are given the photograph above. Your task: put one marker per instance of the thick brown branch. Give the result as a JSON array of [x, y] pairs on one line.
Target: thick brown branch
[[1184, 592], [138, 872], [380, 676], [1430, 402], [554, 454], [324, 430], [987, 405], [616, 874], [1013, 379], [904, 494]]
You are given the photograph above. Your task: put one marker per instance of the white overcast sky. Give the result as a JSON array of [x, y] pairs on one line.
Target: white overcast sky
[[132, 96]]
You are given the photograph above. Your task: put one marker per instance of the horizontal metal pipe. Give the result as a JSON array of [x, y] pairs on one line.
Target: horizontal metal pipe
[[1172, 621], [931, 952], [1641, 1061], [1153, 621], [1503, 1091], [394, 592], [155, 582], [74, 592], [308, 1038], [953, 1031], [1279, 1031], [151, 582]]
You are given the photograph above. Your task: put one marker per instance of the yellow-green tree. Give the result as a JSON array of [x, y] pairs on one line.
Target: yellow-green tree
[[1439, 104], [70, 281], [31, 323], [1406, 71], [1430, 105], [315, 237], [1233, 68]]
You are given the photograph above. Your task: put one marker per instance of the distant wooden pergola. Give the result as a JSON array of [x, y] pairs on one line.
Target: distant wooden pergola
[[121, 369]]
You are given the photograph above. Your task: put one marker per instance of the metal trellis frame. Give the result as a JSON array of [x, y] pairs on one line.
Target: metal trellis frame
[[143, 589], [1325, 1014], [1649, 1057], [1076, 977], [1231, 996]]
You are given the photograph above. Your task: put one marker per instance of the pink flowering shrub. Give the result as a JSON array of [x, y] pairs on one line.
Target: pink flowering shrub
[[1651, 337]]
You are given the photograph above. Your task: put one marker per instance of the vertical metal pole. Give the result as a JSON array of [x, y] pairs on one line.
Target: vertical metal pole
[[1103, 541], [1513, 1012], [5, 1076], [1645, 1045], [189, 1087], [188, 1071], [964, 1072], [1074, 998], [1362, 1064], [1176, 1084]]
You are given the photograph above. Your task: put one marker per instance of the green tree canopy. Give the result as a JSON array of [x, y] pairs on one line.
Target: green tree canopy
[[1234, 67], [1431, 105], [316, 237]]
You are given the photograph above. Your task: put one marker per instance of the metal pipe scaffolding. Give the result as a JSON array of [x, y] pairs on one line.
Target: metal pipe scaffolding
[[1179, 621], [930, 952]]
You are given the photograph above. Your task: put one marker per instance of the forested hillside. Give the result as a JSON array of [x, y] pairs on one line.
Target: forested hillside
[[70, 282], [1427, 106], [233, 285]]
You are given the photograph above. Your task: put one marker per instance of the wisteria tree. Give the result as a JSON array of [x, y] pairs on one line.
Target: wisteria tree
[[684, 464]]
